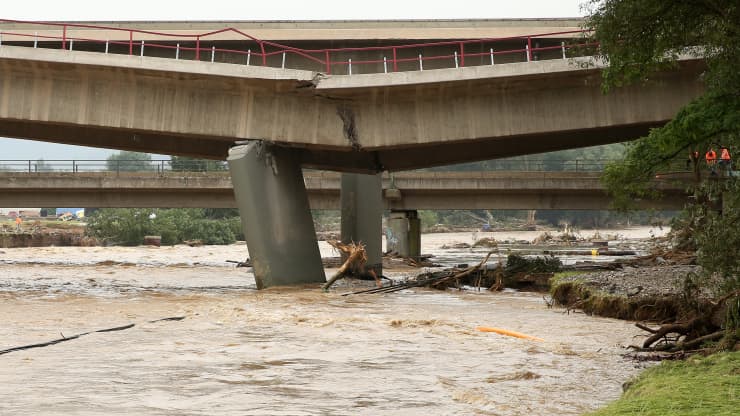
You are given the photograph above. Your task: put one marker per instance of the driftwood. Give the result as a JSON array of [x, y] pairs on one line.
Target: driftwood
[[354, 265], [434, 280], [64, 339], [465, 272], [695, 331]]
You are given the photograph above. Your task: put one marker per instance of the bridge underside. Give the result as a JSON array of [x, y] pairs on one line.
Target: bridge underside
[[368, 161]]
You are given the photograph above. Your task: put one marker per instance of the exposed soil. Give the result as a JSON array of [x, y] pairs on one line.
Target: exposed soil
[[34, 234], [635, 293]]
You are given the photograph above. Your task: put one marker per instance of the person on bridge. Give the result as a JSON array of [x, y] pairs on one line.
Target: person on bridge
[[711, 158], [725, 161]]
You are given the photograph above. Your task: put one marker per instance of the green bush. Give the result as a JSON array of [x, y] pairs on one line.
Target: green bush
[[428, 219], [129, 226], [516, 263]]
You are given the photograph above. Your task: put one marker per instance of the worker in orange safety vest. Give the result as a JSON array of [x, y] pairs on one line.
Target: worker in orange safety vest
[[725, 161], [711, 157]]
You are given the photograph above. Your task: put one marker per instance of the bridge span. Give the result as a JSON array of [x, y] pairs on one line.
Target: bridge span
[[275, 108], [404, 191], [367, 107]]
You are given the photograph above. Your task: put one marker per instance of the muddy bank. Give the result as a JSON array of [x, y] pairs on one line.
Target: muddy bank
[[46, 239], [654, 293]]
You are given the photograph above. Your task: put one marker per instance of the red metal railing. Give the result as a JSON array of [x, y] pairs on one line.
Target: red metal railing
[[458, 51]]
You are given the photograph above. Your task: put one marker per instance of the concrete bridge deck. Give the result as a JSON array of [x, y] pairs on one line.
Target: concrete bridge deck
[[406, 191], [458, 109]]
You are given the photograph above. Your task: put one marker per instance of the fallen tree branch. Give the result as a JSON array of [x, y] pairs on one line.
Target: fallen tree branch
[[695, 330], [687, 345], [465, 272], [646, 328], [681, 329], [431, 281], [64, 339], [355, 263]]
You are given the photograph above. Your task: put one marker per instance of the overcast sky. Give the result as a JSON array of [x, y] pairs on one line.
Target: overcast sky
[[255, 10], [285, 9]]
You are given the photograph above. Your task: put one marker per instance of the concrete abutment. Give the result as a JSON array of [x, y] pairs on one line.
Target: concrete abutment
[[273, 204]]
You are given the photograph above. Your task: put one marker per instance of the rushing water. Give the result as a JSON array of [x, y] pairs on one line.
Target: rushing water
[[283, 351]]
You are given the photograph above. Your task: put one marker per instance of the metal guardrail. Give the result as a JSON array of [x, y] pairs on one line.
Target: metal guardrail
[[201, 46], [73, 166], [161, 166]]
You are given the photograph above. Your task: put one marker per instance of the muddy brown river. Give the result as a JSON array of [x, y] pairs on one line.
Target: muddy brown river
[[294, 351]]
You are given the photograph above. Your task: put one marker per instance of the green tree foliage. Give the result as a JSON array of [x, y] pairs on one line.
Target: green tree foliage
[[129, 162], [129, 226], [583, 159], [592, 158], [220, 213], [428, 219], [714, 233], [638, 38], [186, 164]]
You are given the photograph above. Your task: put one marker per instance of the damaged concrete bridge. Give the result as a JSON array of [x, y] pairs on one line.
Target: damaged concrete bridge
[[396, 107]]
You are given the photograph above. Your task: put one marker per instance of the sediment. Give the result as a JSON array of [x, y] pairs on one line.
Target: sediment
[[634, 293], [45, 239]]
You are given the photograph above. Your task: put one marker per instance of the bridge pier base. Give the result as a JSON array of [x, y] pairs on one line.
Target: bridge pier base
[[404, 236], [362, 215], [273, 205]]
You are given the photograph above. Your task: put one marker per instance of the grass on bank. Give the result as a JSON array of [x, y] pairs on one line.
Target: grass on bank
[[698, 386], [559, 276]]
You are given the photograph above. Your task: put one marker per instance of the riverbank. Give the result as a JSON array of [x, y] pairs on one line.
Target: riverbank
[[698, 386], [44, 233], [652, 293]]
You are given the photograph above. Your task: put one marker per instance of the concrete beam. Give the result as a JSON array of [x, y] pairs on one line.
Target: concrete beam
[[415, 190], [366, 123]]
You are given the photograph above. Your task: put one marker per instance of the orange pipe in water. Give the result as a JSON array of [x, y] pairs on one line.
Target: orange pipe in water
[[507, 332]]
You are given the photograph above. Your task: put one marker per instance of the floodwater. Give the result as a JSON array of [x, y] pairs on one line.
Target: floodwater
[[291, 351]]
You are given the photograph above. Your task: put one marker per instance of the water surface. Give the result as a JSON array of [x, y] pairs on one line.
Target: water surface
[[284, 351]]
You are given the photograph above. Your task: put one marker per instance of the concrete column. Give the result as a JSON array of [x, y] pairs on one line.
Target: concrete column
[[404, 233], [362, 215], [273, 205]]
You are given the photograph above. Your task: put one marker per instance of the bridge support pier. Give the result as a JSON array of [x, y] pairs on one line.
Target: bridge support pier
[[404, 236], [362, 215], [273, 205]]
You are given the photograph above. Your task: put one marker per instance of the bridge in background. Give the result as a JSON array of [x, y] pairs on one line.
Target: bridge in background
[[363, 106], [405, 191]]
